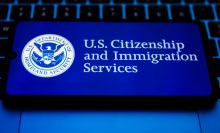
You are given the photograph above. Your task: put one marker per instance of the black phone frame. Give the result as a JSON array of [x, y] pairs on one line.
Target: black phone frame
[[102, 102]]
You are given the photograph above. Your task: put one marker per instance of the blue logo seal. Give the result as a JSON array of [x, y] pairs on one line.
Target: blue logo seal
[[48, 55]]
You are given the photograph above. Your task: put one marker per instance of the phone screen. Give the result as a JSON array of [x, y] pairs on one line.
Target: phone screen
[[108, 59]]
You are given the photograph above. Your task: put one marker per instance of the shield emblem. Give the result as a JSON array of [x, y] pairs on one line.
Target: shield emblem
[[48, 50], [48, 55]]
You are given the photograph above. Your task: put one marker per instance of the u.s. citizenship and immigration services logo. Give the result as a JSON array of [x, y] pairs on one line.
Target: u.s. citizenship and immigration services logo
[[48, 55]]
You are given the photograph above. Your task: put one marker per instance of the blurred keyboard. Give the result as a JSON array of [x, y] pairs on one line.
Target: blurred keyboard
[[207, 11]]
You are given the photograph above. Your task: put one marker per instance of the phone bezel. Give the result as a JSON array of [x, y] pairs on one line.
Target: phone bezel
[[123, 100]]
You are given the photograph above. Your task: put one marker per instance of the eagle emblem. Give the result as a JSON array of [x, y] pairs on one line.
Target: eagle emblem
[[47, 54]]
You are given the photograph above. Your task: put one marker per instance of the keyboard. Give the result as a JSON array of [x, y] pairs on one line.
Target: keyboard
[[207, 11]]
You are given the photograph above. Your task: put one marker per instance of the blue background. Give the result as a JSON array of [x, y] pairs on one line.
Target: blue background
[[167, 78]]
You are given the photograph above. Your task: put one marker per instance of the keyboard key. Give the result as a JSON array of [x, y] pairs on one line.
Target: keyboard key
[[2, 70], [158, 12], [218, 11], [203, 12], [112, 12], [214, 28], [99, 1], [75, 1], [20, 12], [89, 12], [27, 1], [216, 66], [135, 13], [66, 12], [51, 1], [170, 1], [3, 12], [214, 1], [3, 47], [147, 1], [6, 1], [213, 47], [43, 12], [123, 1], [180, 12], [219, 43], [194, 1], [5, 29]]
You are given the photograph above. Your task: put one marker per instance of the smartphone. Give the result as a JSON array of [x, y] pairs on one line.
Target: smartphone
[[133, 62]]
